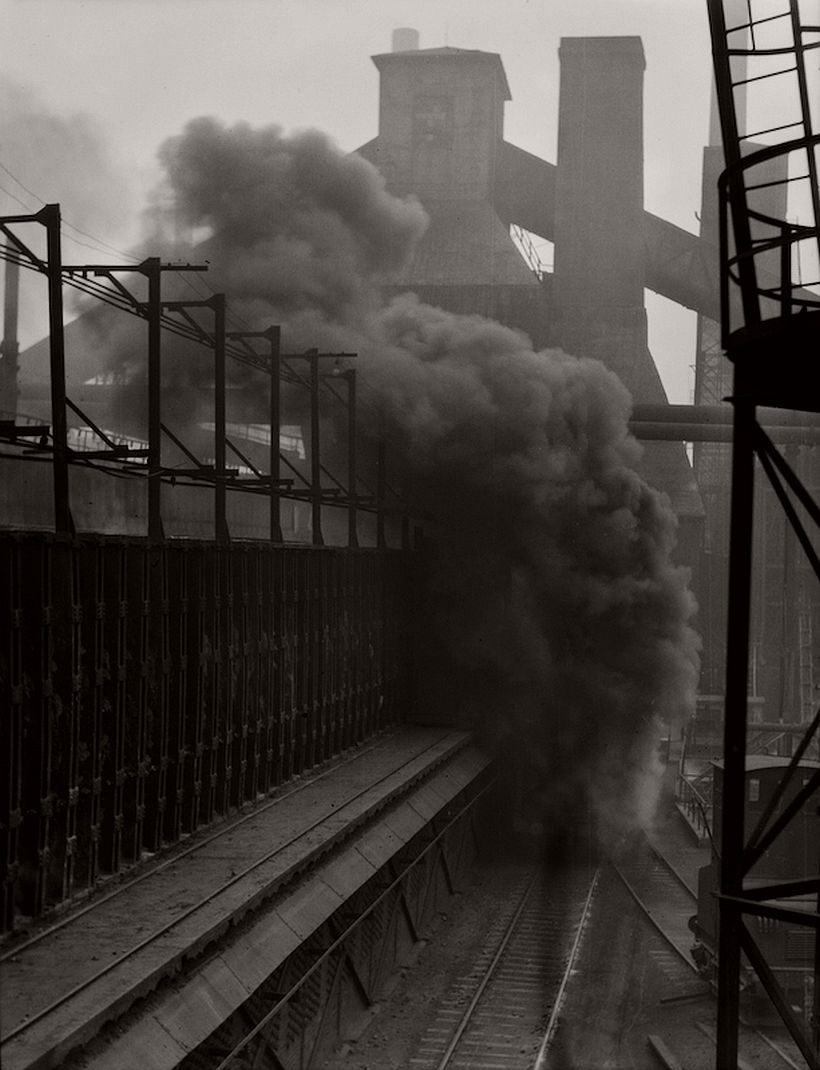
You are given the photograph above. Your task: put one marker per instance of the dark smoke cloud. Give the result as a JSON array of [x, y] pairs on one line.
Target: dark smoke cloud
[[557, 621], [560, 607], [298, 228], [298, 233]]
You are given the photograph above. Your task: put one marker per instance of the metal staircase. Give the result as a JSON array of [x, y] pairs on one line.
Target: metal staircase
[[770, 330], [767, 105]]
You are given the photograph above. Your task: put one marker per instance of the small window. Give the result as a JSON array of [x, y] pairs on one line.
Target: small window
[[754, 790], [433, 122]]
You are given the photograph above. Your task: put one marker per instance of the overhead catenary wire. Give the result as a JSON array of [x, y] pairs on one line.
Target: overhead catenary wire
[[98, 290], [204, 291], [8, 193], [22, 185], [117, 297], [99, 244], [81, 281]]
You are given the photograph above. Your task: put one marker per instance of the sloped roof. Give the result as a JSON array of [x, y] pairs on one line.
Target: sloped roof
[[466, 244]]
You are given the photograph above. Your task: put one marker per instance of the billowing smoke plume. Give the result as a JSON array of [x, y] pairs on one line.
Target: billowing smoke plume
[[559, 603], [557, 622], [294, 231], [297, 227]]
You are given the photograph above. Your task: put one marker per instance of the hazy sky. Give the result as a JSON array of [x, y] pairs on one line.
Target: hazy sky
[[129, 73]]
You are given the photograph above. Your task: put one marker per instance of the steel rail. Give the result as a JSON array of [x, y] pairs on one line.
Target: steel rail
[[709, 1033], [787, 1059], [664, 861], [485, 980], [711, 989], [126, 883], [648, 913], [189, 911], [510, 931], [552, 1024]]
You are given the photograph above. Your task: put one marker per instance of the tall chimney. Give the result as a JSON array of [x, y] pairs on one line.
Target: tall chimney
[[599, 255], [405, 39]]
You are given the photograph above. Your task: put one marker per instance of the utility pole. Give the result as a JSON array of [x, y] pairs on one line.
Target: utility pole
[[220, 429], [312, 357], [218, 343], [381, 490], [352, 446], [10, 346], [273, 336], [151, 268], [49, 216]]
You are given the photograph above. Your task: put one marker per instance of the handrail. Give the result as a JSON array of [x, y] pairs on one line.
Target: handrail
[[771, 284], [695, 806]]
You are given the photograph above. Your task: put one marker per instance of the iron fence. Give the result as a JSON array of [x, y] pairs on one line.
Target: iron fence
[[150, 689]]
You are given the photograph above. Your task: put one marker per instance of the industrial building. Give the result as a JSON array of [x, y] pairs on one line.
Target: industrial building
[[239, 820]]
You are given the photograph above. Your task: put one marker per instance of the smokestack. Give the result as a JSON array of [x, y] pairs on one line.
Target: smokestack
[[405, 39]]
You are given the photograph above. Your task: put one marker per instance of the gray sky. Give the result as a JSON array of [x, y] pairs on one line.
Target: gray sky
[[129, 73]]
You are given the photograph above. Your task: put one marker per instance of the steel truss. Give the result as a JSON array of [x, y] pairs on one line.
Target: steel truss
[[770, 321], [311, 1002]]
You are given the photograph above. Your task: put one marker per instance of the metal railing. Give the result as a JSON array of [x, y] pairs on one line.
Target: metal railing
[[149, 690], [696, 807], [778, 265]]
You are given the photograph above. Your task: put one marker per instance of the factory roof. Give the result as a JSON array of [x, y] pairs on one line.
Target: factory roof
[[446, 52]]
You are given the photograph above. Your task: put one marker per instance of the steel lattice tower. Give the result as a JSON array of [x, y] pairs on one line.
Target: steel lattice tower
[[770, 321]]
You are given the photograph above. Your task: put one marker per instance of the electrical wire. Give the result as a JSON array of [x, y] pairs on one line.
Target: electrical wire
[[192, 332], [98, 246], [118, 300], [14, 198], [100, 291], [22, 185]]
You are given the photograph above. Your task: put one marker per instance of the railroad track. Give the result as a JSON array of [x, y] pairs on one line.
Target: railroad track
[[95, 901], [666, 901], [495, 1015], [98, 943]]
